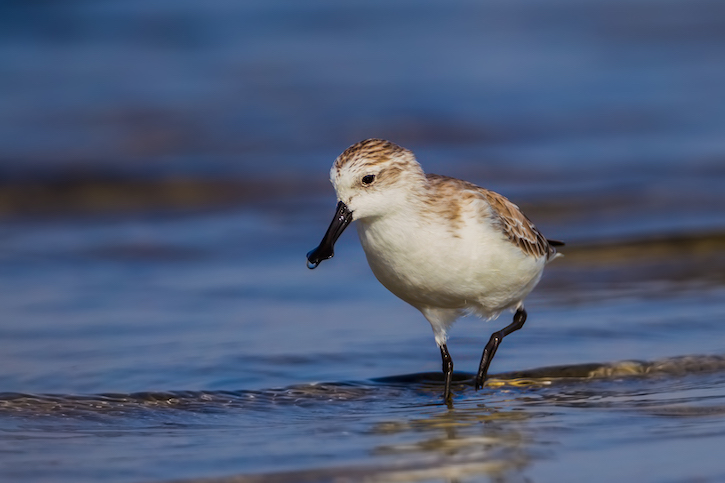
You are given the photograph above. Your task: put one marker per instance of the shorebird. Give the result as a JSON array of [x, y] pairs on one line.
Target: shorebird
[[447, 247]]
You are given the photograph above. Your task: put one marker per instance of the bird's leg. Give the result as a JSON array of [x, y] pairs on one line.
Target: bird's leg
[[447, 371], [490, 350]]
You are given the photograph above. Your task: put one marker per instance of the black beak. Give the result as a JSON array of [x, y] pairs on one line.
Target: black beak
[[325, 250]]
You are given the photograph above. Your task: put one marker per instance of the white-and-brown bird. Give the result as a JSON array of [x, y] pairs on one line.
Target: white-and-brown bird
[[446, 246]]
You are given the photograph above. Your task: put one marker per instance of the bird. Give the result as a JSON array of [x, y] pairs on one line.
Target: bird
[[445, 246]]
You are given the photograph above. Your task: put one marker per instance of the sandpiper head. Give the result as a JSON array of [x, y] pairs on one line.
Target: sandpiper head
[[370, 178]]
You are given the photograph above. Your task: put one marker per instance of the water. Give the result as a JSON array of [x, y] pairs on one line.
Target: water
[[163, 172]]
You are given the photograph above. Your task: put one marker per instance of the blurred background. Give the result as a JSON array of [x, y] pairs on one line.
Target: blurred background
[[164, 169], [133, 106]]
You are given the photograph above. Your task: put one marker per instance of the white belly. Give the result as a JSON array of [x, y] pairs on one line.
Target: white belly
[[478, 271]]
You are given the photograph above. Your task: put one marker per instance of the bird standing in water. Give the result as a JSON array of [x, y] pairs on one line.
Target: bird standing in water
[[445, 246]]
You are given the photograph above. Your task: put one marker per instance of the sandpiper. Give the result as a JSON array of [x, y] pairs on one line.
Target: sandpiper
[[445, 246]]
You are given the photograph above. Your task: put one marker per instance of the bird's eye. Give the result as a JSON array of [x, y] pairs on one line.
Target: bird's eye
[[368, 179]]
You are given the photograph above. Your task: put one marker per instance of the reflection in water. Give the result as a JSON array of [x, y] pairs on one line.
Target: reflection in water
[[459, 443]]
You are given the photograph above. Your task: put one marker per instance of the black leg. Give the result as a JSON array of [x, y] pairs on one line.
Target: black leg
[[447, 371], [490, 350]]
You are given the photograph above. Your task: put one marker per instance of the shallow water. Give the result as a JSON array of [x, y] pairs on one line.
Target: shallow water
[[163, 172]]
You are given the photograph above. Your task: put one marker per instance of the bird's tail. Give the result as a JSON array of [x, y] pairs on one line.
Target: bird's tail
[[552, 249]]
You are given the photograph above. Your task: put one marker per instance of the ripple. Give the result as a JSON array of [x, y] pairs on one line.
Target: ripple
[[386, 388]]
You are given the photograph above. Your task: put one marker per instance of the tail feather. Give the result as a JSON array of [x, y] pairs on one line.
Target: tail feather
[[552, 249]]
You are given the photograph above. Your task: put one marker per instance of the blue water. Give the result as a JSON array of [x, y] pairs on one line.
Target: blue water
[[163, 171]]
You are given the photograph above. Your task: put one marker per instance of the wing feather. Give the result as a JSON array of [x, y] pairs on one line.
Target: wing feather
[[505, 215], [517, 227]]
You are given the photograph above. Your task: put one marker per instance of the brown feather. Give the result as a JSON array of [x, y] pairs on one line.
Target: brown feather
[[507, 216]]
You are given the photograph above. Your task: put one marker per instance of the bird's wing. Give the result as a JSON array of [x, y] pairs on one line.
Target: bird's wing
[[506, 216], [516, 226]]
